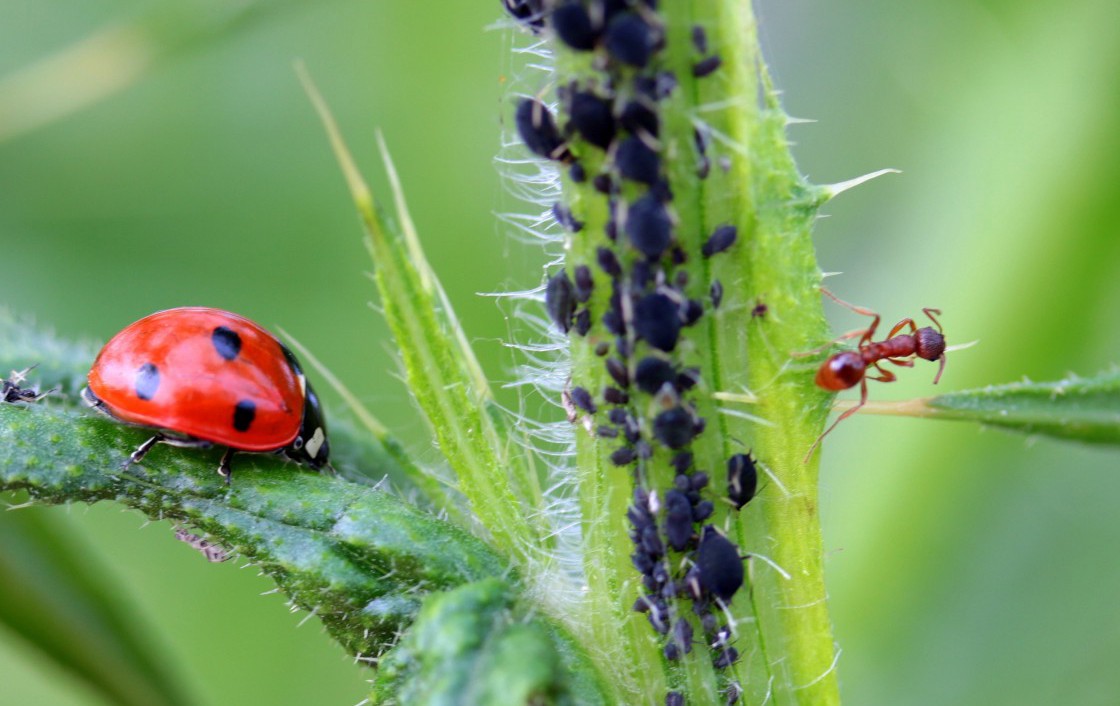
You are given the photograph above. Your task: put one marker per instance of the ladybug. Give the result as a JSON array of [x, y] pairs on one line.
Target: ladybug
[[202, 376]]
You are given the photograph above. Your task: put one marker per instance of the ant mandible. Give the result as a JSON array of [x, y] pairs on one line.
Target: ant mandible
[[848, 368]]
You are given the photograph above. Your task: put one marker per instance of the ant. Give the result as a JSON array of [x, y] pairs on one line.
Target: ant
[[846, 369]]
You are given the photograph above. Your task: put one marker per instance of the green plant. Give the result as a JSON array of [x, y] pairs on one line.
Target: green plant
[[772, 255]]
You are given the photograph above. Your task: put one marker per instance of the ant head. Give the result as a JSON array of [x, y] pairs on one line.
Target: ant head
[[931, 346], [841, 371]]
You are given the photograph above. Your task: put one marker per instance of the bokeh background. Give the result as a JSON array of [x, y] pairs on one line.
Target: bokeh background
[[965, 566]]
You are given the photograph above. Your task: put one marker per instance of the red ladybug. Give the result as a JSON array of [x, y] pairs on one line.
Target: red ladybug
[[204, 376]]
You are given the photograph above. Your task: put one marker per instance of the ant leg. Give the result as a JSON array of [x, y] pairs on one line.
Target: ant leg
[[930, 313], [859, 332], [224, 469], [884, 376], [842, 417], [901, 362], [141, 451], [859, 310], [901, 325]]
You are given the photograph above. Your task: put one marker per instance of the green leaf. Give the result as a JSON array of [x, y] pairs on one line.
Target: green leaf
[[471, 646], [1079, 409], [55, 597], [359, 558]]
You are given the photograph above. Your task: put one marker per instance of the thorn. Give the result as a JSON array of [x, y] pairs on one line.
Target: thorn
[[830, 191]]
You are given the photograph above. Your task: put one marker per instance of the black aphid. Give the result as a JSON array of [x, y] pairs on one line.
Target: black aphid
[[642, 562], [678, 520], [617, 370], [673, 427], [637, 161], [720, 567], [682, 634], [726, 658], [706, 66], [703, 510], [584, 284], [637, 117], [630, 40], [723, 238], [674, 698], [582, 398], [559, 300], [716, 293], [528, 12], [653, 372], [648, 226], [613, 395], [608, 262], [742, 479], [577, 173], [693, 310], [582, 324], [564, 217], [623, 456], [683, 461], [605, 432], [593, 119], [573, 26], [657, 321], [538, 130], [602, 348], [603, 183], [699, 39], [699, 480]]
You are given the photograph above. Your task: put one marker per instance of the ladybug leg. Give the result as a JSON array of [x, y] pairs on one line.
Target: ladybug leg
[[224, 469], [142, 451]]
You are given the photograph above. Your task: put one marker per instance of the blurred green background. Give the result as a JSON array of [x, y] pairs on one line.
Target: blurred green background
[[965, 566]]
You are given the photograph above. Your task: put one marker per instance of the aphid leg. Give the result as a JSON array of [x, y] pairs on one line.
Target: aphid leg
[[842, 417], [930, 313], [224, 469], [141, 451], [859, 310]]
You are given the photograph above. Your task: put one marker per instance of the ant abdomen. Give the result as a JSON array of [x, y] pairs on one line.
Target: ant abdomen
[[841, 371]]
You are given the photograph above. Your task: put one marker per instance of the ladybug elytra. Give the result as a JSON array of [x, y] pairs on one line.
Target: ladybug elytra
[[202, 376]]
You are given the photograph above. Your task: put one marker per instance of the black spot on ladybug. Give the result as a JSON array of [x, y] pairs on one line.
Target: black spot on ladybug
[[147, 381], [630, 40], [226, 342], [673, 427], [742, 479], [636, 160], [707, 66], [592, 118], [243, 415], [648, 226], [573, 26], [657, 321], [538, 130], [723, 238], [721, 569]]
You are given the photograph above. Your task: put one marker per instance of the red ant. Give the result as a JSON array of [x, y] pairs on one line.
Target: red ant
[[849, 368]]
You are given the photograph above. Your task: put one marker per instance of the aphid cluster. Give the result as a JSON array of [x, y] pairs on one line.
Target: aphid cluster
[[607, 133]]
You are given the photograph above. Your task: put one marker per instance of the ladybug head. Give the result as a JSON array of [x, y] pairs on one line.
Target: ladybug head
[[311, 446]]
